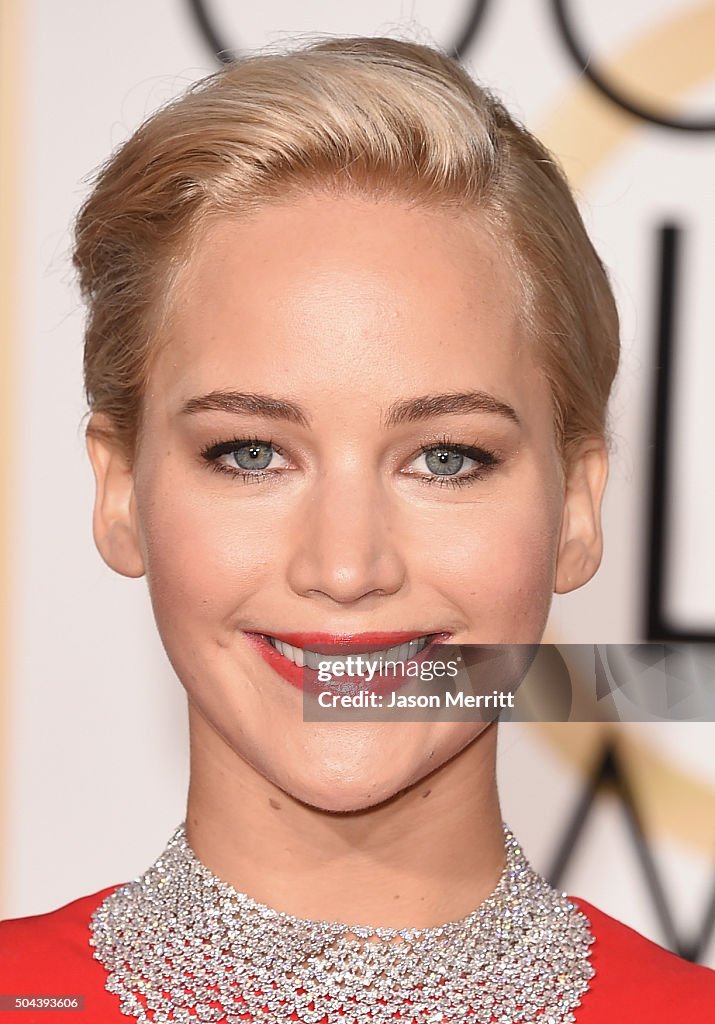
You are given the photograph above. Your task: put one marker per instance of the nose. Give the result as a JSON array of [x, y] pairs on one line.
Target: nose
[[346, 543]]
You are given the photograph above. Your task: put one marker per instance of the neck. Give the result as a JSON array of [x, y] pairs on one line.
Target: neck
[[428, 855]]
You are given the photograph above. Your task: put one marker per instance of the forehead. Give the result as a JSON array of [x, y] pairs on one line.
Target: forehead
[[351, 291]]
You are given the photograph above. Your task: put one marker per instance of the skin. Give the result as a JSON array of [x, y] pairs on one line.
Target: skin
[[343, 306]]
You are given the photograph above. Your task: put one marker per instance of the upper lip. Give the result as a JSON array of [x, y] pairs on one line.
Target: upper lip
[[351, 641]]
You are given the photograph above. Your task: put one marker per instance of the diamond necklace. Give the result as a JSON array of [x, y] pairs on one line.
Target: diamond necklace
[[182, 946]]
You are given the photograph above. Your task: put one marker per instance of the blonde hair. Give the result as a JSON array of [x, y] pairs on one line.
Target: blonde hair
[[378, 116]]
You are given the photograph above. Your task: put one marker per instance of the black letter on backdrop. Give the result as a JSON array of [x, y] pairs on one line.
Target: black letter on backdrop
[[580, 55], [657, 626], [206, 25]]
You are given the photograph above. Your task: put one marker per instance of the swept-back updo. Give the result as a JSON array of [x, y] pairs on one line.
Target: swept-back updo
[[379, 117]]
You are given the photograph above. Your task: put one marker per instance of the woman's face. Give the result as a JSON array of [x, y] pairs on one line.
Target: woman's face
[[377, 456]]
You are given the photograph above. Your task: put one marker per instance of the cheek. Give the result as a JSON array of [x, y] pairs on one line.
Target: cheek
[[497, 562], [202, 553]]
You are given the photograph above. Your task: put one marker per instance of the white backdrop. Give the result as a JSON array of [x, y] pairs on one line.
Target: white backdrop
[[94, 757]]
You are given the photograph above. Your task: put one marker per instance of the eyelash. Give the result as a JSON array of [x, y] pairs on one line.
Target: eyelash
[[214, 449], [487, 460]]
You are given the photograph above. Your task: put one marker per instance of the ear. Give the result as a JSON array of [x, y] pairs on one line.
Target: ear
[[115, 525], [581, 538]]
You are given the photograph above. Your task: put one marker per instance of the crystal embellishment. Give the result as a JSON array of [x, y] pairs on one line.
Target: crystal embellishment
[[182, 946]]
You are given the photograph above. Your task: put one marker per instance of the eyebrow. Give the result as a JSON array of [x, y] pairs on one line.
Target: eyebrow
[[409, 410], [247, 402], [425, 407]]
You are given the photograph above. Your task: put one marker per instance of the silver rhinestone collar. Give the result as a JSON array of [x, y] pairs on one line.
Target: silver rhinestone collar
[[180, 945]]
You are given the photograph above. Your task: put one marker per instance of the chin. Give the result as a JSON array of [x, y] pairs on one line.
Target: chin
[[344, 795], [345, 802]]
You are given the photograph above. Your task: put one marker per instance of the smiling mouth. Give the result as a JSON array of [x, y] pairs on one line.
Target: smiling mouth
[[307, 657]]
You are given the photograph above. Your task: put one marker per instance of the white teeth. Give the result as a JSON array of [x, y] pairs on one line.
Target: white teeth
[[311, 659]]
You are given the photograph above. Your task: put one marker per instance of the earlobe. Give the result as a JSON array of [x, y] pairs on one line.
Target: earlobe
[[581, 538], [114, 520]]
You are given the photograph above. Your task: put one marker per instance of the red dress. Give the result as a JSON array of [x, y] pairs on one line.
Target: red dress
[[636, 982]]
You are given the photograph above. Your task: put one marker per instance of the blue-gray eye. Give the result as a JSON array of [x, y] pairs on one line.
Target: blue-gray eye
[[249, 458], [443, 462], [255, 455]]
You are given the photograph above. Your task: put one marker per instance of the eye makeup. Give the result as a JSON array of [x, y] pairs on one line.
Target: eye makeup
[[442, 454]]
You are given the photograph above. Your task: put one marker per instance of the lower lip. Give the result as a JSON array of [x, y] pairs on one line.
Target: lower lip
[[307, 678]]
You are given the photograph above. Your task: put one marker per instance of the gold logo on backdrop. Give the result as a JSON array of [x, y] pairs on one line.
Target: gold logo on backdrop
[[673, 58]]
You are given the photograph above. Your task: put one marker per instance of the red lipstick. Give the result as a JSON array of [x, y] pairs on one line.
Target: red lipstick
[[376, 641], [342, 644]]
